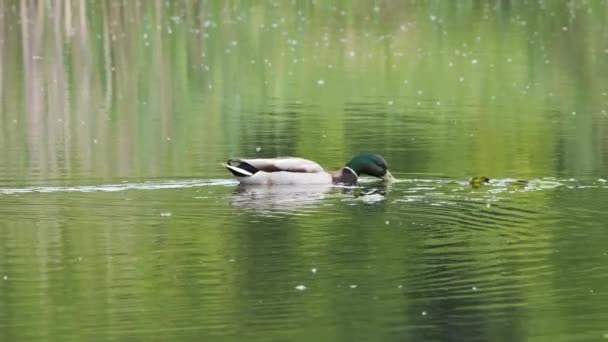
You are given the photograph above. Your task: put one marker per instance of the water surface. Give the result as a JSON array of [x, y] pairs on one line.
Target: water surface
[[119, 223]]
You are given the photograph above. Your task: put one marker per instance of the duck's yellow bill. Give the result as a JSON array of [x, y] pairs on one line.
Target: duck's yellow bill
[[388, 177]]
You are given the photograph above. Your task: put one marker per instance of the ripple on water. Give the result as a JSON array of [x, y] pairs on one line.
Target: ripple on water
[[432, 246], [153, 185], [477, 243]]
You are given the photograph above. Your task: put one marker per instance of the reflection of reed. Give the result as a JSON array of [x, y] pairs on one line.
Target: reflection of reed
[[84, 74], [2, 57], [107, 57], [32, 21], [128, 89], [104, 68], [58, 116]]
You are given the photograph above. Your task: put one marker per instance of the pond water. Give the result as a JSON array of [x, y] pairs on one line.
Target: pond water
[[118, 222]]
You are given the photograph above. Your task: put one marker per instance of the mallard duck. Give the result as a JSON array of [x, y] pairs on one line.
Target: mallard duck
[[292, 170]]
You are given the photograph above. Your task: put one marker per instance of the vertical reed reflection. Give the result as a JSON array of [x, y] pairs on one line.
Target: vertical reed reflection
[[2, 54], [114, 89], [32, 21]]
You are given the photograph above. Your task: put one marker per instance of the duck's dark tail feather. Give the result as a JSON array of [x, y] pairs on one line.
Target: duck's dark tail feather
[[241, 169]]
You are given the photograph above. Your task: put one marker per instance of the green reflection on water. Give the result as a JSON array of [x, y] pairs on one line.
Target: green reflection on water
[[106, 92], [144, 89]]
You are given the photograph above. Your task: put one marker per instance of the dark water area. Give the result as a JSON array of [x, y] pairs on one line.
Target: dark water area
[[118, 222]]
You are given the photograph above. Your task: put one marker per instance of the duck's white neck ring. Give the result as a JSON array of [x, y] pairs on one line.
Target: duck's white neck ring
[[351, 170]]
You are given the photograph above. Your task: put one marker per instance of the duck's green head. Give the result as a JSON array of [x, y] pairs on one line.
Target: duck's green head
[[370, 164]]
